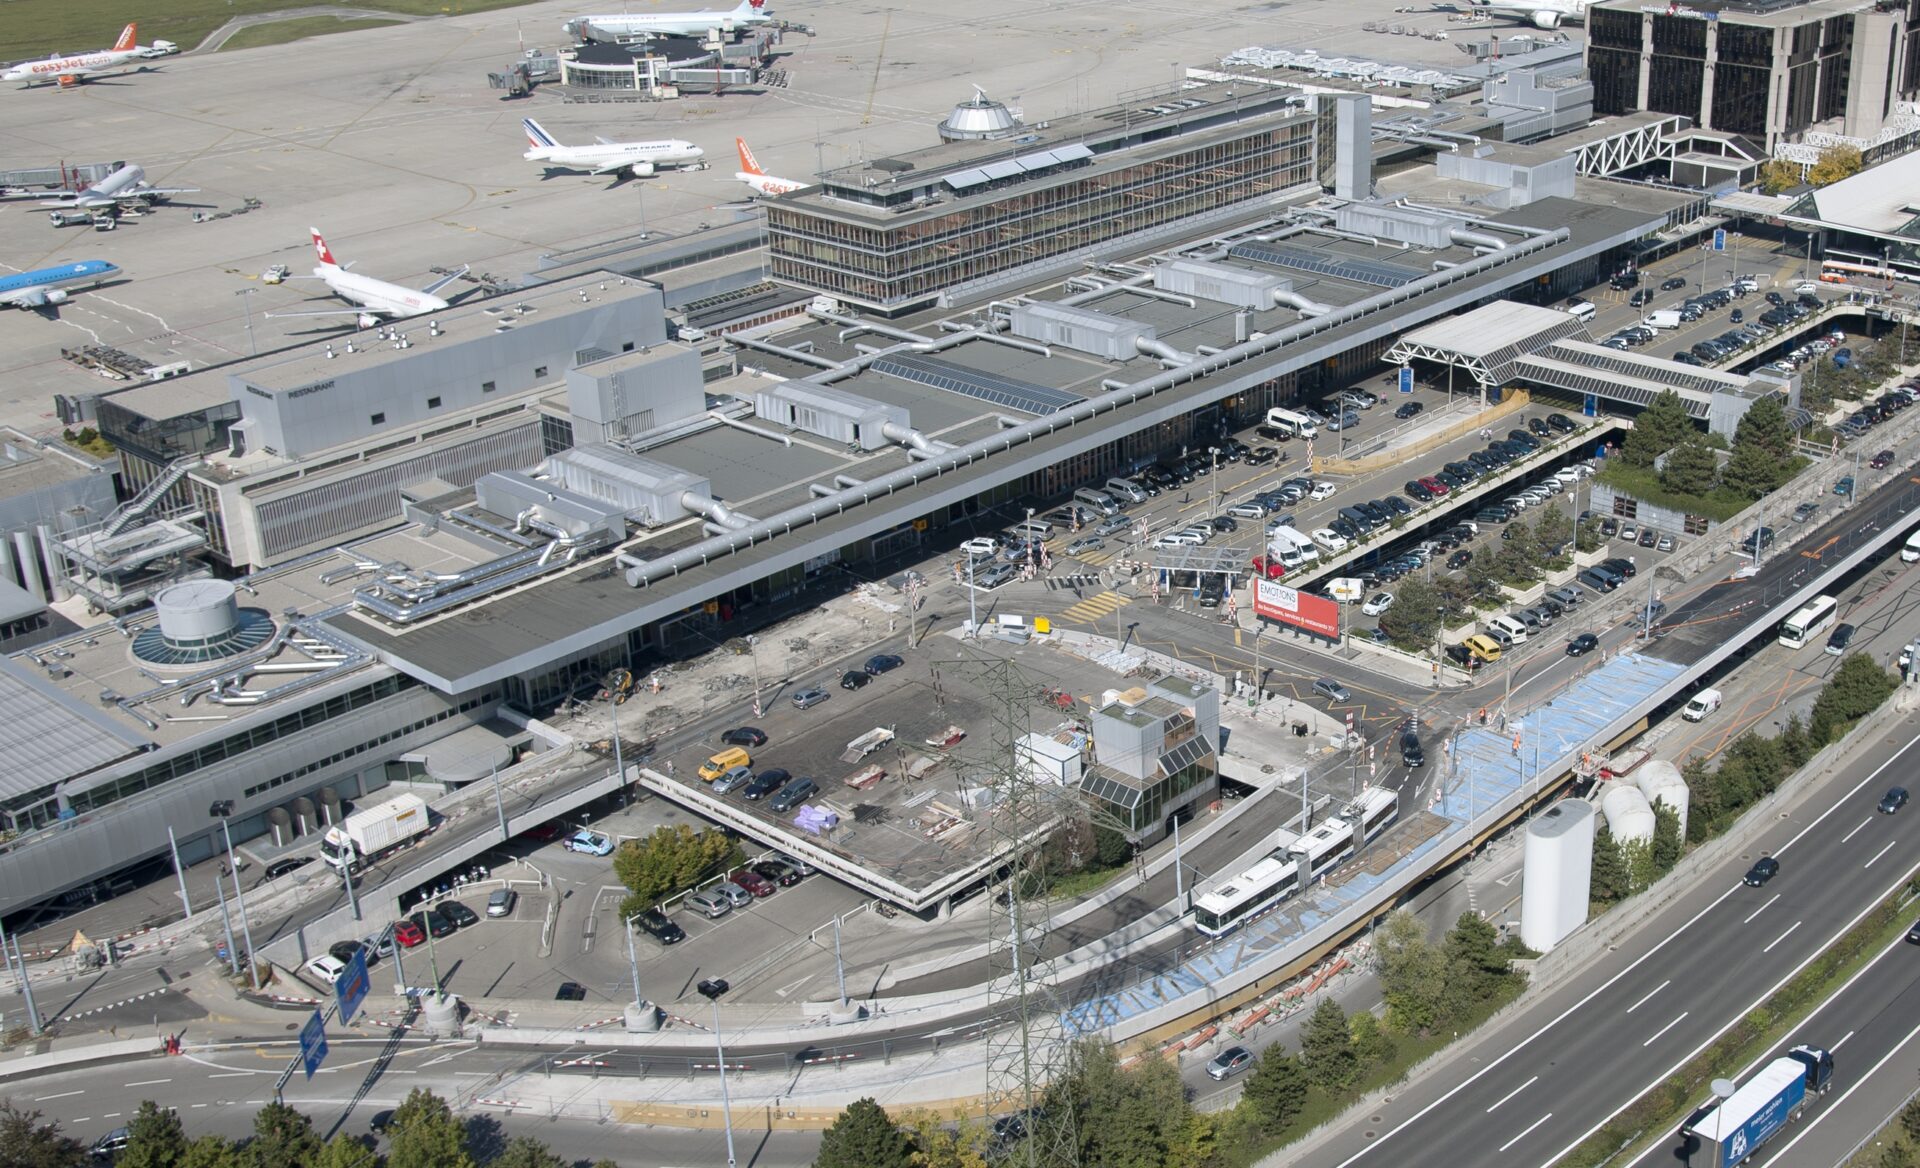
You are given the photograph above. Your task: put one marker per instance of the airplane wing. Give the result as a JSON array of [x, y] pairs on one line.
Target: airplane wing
[[443, 281], [333, 312], [26, 298], [611, 167], [156, 192], [606, 141]]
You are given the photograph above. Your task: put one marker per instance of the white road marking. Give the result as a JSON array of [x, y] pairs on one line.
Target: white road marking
[[149, 1082], [1656, 989], [1782, 937], [1761, 909], [1841, 1043], [1878, 854], [62, 1095], [1515, 1091], [1523, 1135], [131, 308], [1664, 1029], [237, 1074], [1856, 831]]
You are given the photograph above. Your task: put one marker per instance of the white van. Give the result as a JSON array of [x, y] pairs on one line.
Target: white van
[[1511, 627], [1705, 702], [1911, 551], [1582, 310], [1292, 423], [1100, 501], [1032, 529], [1298, 539], [1127, 489]]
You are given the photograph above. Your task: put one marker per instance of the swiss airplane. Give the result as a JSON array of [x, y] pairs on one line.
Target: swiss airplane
[[762, 182], [52, 69], [637, 158], [1540, 13], [625, 25], [377, 298], [126, 185], [46, 287]]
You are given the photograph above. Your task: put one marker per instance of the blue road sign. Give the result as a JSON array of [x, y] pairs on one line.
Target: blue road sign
[[1719, 239], [351, 986], [1406, 379], [313, 1044]]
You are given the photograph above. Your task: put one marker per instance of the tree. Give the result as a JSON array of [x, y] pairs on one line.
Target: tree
[[1690, 467], [669, 859], [953, 1142], [1658, 429], [1326, 1048], [863, 1136], [155, 1139], [1276, 1091], [215, 1152], [1553, 530], [1111, 848], [1795, 743], [1639, 859], [25, 1142], [1125, 1117], [1589, 538], [1910, 1120], [1474, 953], [1667, 844], [1778, 176], [1372, 1045], [1413, 973], [1610, 876], [282, 1138], [526, 1152], [1415, 615], [1855, 690], [426, 1134], [1834, 164], [1703, 799], [344, 1151]]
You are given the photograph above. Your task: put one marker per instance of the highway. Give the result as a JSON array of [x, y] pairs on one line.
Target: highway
[[1528, 1091]]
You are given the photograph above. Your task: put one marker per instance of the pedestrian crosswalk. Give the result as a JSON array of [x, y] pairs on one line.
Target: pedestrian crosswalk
[[1073, 580], [1093, 608]]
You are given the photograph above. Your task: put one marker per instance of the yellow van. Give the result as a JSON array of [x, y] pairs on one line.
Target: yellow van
[[1483, 647], [723, 762]]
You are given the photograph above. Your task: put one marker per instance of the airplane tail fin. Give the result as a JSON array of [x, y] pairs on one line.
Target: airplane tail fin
[[129, 37], [320, 247], [747, 6], [747, 161], [537, 135]]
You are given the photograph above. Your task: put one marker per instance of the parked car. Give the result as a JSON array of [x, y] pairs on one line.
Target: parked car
[[809, 697], [735, 779], [434, 923], [591, 842], [1378, 603], [1881, 460], [458, 915], [326, 969], [657, 925], [755, 884], [710, 903], [765, 783], [792, 795], [500, 903], [570, 991], [409, 933], [744, 736], [345, 951], [883, 662], [777, 871]]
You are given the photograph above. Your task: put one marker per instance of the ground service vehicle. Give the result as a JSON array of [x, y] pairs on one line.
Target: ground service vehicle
[[1731, 1130], [374, 831]]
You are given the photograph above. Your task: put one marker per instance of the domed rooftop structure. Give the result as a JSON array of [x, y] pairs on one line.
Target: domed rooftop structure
[[979, 118], [200, 621]]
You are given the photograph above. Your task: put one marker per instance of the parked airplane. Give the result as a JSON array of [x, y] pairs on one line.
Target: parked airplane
[[626, 25], [639, 158], [762, 182], [1542, 13], [78, 65], [126, 185], [377, 298], [45, 287]]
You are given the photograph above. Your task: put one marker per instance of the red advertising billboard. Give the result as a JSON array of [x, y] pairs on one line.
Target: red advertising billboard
[[1290, 606]]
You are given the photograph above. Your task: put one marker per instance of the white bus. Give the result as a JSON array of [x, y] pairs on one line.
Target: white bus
[[1809, 622], [1247, 895], [1372, 813], [1324, 848], [1291, 422]]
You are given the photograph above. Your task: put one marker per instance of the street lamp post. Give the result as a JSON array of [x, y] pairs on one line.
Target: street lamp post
[[1259, 672], [753, 652], [711, 989], [246, 300], [1215, 452], [973, 601], [633, 963], [221, 810]]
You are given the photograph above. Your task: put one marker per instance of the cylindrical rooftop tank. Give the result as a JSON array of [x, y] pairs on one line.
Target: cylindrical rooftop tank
[[1558, 873], [1660, 782], [1629, 816], [197, 611]]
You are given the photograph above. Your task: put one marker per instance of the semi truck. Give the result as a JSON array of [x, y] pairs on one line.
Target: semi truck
[[371, 833], [1725, 1133]]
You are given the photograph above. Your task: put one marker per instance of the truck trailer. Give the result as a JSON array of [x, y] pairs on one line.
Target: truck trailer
[[1725, 1133], [368, 834]]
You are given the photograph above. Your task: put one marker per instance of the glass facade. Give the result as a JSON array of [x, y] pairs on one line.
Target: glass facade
[[1677, 71], [895, 264], [1616, 79], [162, 440]]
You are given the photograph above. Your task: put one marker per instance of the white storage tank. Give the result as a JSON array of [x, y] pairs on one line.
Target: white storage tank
[[1660, 781], [1628, 813], [1558, 874]]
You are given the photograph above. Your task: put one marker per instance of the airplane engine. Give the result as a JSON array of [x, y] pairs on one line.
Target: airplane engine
[[1546, 19], [642, 169], [57, 295], [367, 320]]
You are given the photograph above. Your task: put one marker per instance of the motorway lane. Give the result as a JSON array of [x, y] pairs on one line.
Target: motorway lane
[[1620, 1025]]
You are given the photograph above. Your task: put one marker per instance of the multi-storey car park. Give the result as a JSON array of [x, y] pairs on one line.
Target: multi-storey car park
[[573, 491]]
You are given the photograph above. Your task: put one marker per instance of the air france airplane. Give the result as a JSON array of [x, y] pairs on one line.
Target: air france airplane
[[637, 158]]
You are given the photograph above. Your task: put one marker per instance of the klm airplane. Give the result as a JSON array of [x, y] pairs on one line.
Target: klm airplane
[[46, 287]]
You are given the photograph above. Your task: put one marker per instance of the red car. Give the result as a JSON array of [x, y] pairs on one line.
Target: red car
[[1440, 489], [407, 934], [1882, 459], [753, 882], [1271, 569]]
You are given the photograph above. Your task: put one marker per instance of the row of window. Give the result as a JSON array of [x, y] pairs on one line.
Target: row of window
[[340, 756]]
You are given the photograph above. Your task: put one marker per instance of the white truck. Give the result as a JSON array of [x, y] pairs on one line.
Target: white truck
[[370, 833], [1705, 702]]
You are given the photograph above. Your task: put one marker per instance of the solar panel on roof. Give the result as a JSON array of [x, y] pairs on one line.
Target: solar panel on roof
[[1002, 169], [965, 179], [988, 387], [1375, 272]]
